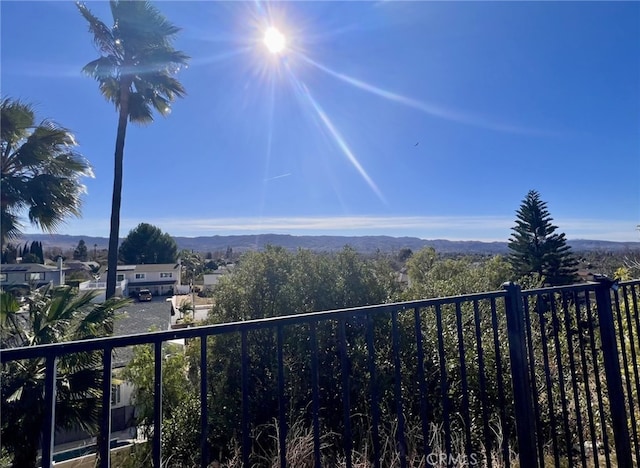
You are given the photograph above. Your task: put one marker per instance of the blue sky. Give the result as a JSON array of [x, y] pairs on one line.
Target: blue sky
[[425, 119]]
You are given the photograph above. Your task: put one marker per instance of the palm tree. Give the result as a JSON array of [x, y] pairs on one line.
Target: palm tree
[[41, 171], [134, 72], [54, 315]]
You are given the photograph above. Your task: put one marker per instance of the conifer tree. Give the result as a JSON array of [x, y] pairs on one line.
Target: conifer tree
[[536, 247], [36, 250], [80, 252]]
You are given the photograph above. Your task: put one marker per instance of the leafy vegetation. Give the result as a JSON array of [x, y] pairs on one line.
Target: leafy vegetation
[[80, 252], [53, 316], [147, 244], [41, 171], [276, 282]]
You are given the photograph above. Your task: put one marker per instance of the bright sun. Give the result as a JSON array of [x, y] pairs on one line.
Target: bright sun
[[274, 40]]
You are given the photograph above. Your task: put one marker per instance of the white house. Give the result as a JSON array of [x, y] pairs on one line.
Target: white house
[[25, 276], [161, 279]]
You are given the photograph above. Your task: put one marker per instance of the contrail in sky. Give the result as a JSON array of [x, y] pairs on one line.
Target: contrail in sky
[[277, 177]]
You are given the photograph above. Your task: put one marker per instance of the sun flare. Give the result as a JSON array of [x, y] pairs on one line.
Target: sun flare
[[274, 40]]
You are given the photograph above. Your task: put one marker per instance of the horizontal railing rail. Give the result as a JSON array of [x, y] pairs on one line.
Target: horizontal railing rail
[[97, 344]]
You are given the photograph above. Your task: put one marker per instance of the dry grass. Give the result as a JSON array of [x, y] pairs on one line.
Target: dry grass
[[184, 298], [300, 453]]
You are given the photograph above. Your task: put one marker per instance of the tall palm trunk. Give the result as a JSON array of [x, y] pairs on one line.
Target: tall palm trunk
[[114, 233]]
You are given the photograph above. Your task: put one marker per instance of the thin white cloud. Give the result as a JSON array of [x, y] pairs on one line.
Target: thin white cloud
[[482, 228]]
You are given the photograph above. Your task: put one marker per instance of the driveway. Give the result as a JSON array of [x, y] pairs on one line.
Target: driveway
[[140, 317]]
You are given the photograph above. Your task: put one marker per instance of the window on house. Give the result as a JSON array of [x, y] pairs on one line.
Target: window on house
[[139, 275], [34, 276], [3, 277], [115, 394], [119, 277], [166, 275]]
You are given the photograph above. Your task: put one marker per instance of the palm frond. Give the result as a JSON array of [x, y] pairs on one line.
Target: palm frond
[[10, 227], [110, 89], [161, 59], [140, 24], [16, 118], [102, 34], [52, 199], [102, 68], [161, 83], [139, 109], [41, 171]]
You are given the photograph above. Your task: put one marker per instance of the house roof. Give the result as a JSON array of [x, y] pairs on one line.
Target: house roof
[[149, 267], [28, 268]]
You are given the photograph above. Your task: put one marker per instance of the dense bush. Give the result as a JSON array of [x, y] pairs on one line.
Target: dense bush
[[276, 282]]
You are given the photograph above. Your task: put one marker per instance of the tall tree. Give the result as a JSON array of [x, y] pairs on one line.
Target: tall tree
[[36, 249], [80, 252], [535, 246], [54, 315], [135, 72], [148, 244], [41, 171]]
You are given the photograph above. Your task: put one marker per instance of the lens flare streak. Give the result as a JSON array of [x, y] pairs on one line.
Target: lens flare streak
[[436, 111], [302, 90]]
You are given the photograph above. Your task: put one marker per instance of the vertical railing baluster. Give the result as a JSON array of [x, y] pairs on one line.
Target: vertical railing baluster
[[541, 310], [104, 443], [625, 362], [465, 383], [400, 435], [282, 416], [634, 370], [572, 372], [346, 391], [483, 386], [204, 407], [373, 390], [532, 376], [585, 374], [563, 396], [506, 455], [596, 372], [315, 397], [612, 372], [636, 316], [157, 406], [49, 420], [444, 384], [246, 436], [422, 384]]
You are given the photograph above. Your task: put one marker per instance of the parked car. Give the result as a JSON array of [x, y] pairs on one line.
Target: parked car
[[144, 295]]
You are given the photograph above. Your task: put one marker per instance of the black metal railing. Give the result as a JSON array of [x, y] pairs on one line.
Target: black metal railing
[[545, 377]]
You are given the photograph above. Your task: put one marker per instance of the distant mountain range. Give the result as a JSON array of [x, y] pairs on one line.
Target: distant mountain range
[[364, 244]]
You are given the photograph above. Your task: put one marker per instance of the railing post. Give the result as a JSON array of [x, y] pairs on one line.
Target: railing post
[[612, 371], [522, 395]]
